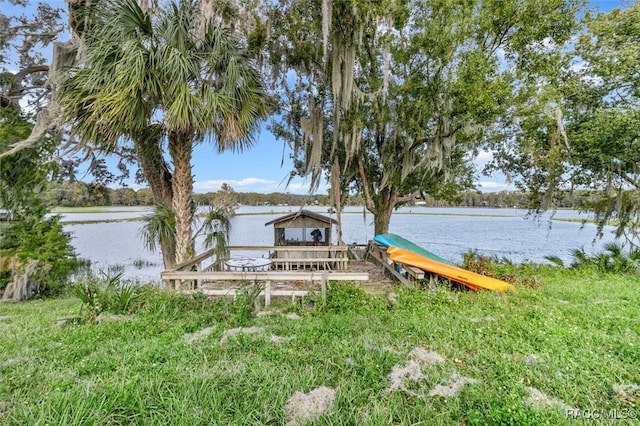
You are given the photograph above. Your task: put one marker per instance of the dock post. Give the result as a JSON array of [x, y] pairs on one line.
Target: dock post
[[267, 293], [323, 287]]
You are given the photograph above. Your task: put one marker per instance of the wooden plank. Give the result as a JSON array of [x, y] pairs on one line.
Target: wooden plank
[[234, 292], [211, 252], [267, 293], [381, 257], [289, 248], [263, 276], [416, 273], [327, 249], [310, 259], [195, 260]]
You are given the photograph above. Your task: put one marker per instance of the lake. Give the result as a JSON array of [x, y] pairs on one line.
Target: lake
[[448, 232]]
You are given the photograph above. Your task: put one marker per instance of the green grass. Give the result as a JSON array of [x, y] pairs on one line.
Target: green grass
[[580, 327]]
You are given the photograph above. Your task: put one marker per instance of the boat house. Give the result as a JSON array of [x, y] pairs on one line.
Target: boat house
[[302, 228]]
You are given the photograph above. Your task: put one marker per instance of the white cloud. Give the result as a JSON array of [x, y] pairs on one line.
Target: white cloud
[[254, 184], [248, 184], [302, 187], [482, 159], [493, 186]]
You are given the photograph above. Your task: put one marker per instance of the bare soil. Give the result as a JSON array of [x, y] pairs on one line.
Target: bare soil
[[305, 407]]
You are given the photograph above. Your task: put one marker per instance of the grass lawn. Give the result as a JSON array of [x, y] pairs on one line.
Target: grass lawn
[[533, 356]]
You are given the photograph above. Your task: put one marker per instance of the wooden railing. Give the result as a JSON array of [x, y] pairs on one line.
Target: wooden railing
[[267, 277], [378, 254], [287, 264]]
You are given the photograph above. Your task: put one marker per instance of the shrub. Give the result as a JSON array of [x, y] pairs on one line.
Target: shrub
[[349, 297], [34, 238], [613, 259], [524, 274], [108, 293]]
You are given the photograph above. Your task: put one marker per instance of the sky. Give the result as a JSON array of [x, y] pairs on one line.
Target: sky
[[266, 166]]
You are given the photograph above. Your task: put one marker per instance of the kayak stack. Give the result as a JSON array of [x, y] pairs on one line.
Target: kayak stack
[[403, 251]]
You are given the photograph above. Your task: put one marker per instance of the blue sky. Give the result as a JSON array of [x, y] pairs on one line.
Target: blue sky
[[265, 167]]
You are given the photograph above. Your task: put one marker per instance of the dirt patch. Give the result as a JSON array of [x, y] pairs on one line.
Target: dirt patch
[[532, 360], [306, 407], [425, 357], [279, 339], [226, 369], [392, 298], [629, 394], [411, 372], [293, 316], [541, 400], [452, 387], [13, 361], [193, 337], [260, 331], [381, 349], [241, 330], [379, 282], [87, 384]]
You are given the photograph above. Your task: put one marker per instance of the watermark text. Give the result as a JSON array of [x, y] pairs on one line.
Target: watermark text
[[602, 413]]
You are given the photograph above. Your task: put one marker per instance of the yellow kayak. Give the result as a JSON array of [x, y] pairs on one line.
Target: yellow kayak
[[470, 279]]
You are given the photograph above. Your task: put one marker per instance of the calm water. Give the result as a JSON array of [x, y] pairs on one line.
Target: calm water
[[448, 232]]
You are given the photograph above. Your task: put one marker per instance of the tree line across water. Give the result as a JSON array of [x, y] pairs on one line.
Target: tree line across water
[[82, 194]]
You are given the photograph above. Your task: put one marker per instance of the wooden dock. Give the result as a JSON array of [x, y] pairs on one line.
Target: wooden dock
[[289, 269]]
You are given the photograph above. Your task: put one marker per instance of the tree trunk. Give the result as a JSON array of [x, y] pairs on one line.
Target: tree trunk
[[154, 167], [382, 219], [385, 201], [180, 148], [156, 173], [336, 195]]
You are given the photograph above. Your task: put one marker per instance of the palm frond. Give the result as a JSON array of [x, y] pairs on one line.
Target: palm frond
[[555, 260], [159, 227], [215, 226]]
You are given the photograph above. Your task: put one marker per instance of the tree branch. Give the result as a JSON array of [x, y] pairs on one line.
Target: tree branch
[[407, 198], [365, 188], [630, 180], [20, 75]]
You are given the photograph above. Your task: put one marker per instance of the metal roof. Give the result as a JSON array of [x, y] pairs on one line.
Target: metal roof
[[303, 212]]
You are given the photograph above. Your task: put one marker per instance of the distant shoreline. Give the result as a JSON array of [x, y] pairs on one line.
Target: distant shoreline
[[283, 210]]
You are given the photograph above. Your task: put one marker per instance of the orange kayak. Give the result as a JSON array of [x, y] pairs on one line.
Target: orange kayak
[[470, 279]]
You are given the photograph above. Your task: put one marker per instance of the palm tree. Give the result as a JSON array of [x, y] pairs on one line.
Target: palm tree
[[160, 229], [164, 80]]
